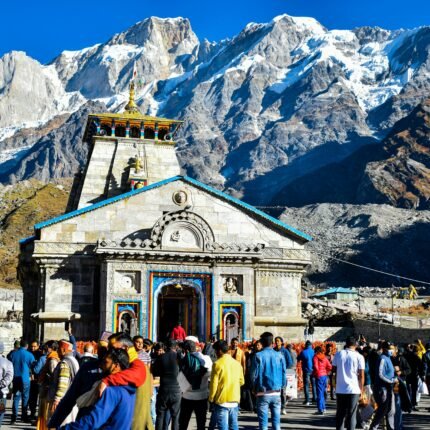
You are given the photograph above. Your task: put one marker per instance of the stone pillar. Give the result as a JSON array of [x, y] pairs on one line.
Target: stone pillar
[[142, 130], [97, 122], [127, 129], [156, 131], [113, 128]]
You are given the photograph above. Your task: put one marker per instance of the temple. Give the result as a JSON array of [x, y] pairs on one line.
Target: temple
[[143, 247]]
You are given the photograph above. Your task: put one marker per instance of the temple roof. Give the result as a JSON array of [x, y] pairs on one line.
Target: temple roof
[[251, 210], [135, 116]]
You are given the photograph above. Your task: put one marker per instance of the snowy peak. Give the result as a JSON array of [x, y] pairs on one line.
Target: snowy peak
[[23, 79], [276, 95]]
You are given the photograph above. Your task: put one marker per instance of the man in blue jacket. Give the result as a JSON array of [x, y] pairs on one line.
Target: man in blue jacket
[[268, 377], [383, 389], [114, 411], [22, 361], [306, 357]]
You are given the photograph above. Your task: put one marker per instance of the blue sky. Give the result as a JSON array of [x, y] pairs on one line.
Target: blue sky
[[44, 28]]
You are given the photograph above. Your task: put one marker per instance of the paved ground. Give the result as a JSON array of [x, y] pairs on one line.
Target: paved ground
[[301, 417]]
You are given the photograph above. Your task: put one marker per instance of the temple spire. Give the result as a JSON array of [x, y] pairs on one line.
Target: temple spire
[[131, 106]]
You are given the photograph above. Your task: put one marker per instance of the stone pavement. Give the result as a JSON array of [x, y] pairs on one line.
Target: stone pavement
[[301, 417]]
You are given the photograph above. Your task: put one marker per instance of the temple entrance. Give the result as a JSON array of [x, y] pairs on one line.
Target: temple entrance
[[178, 303]]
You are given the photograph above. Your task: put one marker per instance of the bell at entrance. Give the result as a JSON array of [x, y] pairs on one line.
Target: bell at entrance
[[177, 303]]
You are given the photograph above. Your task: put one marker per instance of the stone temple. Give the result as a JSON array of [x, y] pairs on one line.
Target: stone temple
[[143, 247]]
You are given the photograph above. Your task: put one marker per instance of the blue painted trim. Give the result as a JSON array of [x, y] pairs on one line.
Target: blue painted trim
[[213, 323], [154, 303], [336, 290], [192, 181], [243, 304], [115, 301], [27, 240]]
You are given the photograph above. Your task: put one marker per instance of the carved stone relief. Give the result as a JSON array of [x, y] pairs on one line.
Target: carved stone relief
[[232, 284], [180, 197], [127, 282]]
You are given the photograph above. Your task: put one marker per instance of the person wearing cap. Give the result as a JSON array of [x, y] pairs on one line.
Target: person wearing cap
[[22, 361], [196, 368], [348, 366], [6, 377], [64, 374], [169, 394], [224, 388], [383, 389]]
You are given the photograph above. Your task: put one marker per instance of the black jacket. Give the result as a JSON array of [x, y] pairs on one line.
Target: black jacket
[[166, 367]]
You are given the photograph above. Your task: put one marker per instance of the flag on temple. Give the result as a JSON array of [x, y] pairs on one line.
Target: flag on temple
[[134, 71]]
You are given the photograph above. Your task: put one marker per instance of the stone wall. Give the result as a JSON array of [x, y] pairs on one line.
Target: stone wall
[[10, 316], [370, 329]]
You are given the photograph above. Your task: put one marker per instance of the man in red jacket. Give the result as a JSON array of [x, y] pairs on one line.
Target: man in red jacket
[[178, 333]]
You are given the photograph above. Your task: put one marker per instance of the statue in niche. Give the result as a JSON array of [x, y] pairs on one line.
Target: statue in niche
[[128, 324], [231, 328], [230, 285]]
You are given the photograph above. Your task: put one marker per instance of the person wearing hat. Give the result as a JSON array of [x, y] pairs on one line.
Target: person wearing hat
[[383, 392], [63, 377], [6, 377], [348, 366], [196, 368]]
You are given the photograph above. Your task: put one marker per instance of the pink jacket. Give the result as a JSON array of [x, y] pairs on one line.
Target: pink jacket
[[322, 367]]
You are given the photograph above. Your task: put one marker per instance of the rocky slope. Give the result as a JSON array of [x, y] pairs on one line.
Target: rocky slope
[[394, 171], [22, 206], [402, 177], [377, 236], [278, 101]]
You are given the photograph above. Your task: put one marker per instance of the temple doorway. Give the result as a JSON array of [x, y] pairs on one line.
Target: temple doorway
[[178, 303]]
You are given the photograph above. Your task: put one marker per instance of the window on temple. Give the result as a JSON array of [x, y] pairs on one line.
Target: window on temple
[[120, 131], [162, 133], [135, 132], [105, 130], [149, 133]]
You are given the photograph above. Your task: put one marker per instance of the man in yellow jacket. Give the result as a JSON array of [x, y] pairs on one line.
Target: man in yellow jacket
[[224, 390]]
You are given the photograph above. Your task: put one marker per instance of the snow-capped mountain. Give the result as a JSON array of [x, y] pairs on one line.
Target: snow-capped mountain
[[278, 101]]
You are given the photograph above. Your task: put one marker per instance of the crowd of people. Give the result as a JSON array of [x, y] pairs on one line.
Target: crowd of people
[[373, 386], [133, 383]]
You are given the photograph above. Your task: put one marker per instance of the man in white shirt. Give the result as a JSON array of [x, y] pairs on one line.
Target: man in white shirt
[[348, 365]]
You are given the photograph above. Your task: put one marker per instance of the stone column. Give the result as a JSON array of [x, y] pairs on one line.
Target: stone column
[[156, 131], [127, 129], [113, 128], [142, 130]]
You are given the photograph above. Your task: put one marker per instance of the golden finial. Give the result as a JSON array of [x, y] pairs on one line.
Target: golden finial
[[131, 105]]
